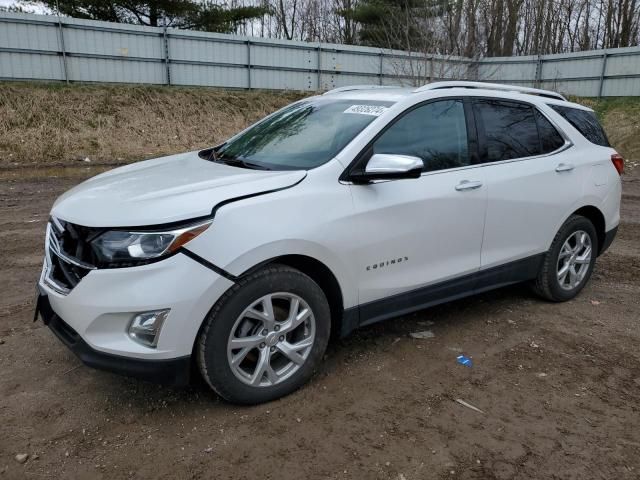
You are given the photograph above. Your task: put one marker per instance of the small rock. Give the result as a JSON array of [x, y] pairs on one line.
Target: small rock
[[422, 335], [595, 302], [541, 375], [208, 450], [511, 322], [22, 457], [534, 345], [87, 160], [427, 323], [298, 420]]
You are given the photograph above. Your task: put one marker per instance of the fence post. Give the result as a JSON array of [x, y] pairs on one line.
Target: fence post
[[539, 72], [431, 70], [602, 73], [165, 43], [380, 70], [249, 64], [63, 50], [319, 66]]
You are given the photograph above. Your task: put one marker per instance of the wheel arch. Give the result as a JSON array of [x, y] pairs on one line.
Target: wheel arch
[[319, 273], [596, 217]]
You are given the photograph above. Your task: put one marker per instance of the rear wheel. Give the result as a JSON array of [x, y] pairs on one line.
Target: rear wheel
[[568, 264], [265, 337]]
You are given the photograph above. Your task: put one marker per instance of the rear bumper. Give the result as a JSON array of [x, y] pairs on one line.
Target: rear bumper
[[608, 239], [175, 371]]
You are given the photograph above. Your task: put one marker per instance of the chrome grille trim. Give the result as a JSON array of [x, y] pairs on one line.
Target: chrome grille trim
[[62, 272], [47, 278]]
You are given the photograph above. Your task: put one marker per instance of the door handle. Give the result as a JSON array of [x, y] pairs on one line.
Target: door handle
[[564, 167], [467, 185]]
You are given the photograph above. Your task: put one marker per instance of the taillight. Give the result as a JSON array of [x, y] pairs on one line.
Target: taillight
[[618, 162]]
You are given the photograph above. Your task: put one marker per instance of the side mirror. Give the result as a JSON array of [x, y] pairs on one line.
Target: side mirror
[[384, 166]]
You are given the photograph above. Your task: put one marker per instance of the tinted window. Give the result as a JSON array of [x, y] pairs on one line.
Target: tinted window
[[435, 132], [303, 135], [550, 139], [585, 122], [510, 130]]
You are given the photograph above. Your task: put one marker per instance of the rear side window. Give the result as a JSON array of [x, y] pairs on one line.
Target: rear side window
[[585, 122], [510, 130], [550, 139], [436, 132]]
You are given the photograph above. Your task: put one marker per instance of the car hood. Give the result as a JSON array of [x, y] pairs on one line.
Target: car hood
[[164, 190]]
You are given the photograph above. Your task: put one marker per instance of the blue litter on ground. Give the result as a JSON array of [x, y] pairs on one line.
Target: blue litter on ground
[[466, 361]]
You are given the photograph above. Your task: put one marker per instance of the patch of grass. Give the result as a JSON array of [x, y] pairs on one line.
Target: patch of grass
[[42, 124], [56, 124]]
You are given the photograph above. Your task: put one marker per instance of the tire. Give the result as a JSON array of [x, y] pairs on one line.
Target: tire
[[549, 283], [264, 365]]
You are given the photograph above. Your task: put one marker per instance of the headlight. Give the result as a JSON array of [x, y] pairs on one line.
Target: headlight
[[122, 248]]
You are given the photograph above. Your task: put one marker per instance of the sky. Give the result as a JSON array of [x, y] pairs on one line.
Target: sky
[[8, 3]]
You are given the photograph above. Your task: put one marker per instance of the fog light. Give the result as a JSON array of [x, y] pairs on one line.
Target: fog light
[[145, 327]]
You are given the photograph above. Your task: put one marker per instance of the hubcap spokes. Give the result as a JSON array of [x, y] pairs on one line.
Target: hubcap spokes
[[574, 260], [271, 339]]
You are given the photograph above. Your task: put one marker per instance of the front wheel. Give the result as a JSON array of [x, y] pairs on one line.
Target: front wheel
[[265, 337], [568, 264]]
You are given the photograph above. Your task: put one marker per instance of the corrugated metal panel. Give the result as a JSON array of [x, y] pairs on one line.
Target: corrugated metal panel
[[623, 65], [202, 49], [25, 66], [31, 48], [621, 87], [571, 68], [29, 36], [582, 88], [507, 71], [282, 80], [280, 56], [119, 71], [206, 75], [94, 42]]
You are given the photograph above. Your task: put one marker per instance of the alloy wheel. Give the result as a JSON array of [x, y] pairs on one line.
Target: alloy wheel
[[271, 339], [574, 260]]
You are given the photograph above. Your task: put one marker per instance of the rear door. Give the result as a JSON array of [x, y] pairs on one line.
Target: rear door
[[532, 177]]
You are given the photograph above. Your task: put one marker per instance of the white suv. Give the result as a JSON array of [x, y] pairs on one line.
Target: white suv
[[337, 211]]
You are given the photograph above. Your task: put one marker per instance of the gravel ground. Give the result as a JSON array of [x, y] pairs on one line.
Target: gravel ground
[[558, 386]]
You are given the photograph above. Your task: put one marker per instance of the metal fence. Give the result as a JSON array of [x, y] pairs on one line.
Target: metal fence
[[49, 48]]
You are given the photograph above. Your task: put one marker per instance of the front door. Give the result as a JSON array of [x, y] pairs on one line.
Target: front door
[[415, 233]]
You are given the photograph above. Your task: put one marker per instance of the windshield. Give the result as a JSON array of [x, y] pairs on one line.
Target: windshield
[[302, 136]]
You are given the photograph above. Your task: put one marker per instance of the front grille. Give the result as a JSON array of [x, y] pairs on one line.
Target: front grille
[[69, 257]]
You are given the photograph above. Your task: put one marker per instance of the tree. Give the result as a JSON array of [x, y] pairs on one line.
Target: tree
[[397, 24], [196, 15]]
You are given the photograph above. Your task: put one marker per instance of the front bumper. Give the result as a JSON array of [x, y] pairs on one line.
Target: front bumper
[[93, 318], [169, 372]]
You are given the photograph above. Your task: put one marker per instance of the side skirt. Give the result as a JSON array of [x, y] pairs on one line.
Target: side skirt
[[429, 296]]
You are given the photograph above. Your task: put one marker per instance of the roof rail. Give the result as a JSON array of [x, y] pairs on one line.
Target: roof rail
[[357, 87], [491, 86]]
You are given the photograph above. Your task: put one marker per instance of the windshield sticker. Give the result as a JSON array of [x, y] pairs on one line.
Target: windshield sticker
[[375, 110]]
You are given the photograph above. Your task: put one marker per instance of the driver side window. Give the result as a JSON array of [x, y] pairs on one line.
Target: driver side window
[[435, 132]]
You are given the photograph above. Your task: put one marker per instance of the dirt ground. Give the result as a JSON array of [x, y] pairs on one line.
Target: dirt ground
[[559, 385]]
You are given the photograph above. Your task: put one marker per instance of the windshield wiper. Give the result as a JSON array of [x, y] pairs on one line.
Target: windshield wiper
[[236, 162]]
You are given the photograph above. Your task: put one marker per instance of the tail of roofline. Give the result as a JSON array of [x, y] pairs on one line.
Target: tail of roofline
[[461, 84]]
